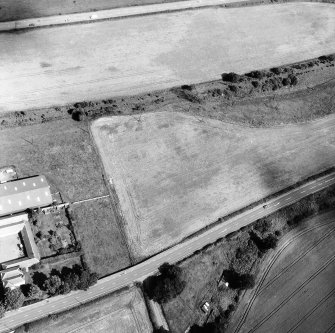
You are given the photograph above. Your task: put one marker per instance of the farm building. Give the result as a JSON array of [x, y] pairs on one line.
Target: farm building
[[19, 195], [18, 250]]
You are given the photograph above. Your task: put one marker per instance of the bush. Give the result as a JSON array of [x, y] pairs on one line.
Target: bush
[[294, 80], [255, 84], [165, 286], [13, 299], [256, 75], [275, 70], [53, 285], [286, 81], [77, 115], [239, 281], [187, 87], [31, 291], [233, 89], [230, 77], [325, 58], [264, 244]]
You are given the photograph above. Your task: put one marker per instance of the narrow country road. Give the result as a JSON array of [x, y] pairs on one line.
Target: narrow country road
[[139, 272]]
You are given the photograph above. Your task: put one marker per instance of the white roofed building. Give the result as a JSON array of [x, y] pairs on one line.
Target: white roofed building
[[19, 195]]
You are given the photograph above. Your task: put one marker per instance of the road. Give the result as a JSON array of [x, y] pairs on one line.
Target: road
[[90, 16], [139, 272], [70, 63]]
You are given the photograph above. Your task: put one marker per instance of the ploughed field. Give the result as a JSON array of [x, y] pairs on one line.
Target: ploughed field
[[175, 173], [65, 64], [295, 291]]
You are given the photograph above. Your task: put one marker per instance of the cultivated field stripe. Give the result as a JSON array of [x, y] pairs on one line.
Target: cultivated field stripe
[[267, 270], [324, 299], [287, 299], [286, 268]]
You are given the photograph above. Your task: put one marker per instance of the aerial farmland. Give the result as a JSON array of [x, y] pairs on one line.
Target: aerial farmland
[[187, 154]]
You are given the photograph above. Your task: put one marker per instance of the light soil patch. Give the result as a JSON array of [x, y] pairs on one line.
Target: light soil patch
[[59, 65], [122, 312], [296, 289], [175, 173]]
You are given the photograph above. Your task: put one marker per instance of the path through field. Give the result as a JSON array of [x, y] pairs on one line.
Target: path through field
[[295, 290], [59, 65]]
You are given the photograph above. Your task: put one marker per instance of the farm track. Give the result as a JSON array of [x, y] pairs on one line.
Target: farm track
[[330, 329], [259, 288], [296, 291]]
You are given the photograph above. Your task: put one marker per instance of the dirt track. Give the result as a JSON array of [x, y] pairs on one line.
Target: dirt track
[[58, 65], [174, 174], [295, 290]]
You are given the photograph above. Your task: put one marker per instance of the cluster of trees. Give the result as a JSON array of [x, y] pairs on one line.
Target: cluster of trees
[[56, 283], [264, 244], [165, 286], [10, 300], [62, 282]]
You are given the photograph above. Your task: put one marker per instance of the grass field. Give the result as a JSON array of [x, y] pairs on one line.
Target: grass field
[[295, 290], [174, 173], [100, 237], [64, 153], [121, 312], [142, 54]]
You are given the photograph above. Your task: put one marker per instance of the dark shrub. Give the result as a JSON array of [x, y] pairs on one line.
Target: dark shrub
[[186, 87], [256, 75], [166, 286], [275, 70], [327, 58], [255, 84], [286, 81], [294, 80], [233, 89], [264, 244], [13, 299], [77, 115], [230, 77], [238, 281]]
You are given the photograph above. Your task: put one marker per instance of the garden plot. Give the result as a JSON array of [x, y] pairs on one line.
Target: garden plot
[[175, 174]]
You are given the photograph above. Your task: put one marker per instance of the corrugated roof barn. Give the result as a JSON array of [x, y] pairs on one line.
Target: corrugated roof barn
[[17, 196]]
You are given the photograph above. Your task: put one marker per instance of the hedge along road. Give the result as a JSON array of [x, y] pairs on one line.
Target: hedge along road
[[64, 64]]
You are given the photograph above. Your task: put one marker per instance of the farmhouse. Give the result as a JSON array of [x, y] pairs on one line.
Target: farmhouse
[[18, 250]]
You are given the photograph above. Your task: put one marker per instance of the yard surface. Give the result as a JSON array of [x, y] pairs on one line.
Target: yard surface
[[296, 288], [121, 312], [175, 173], [59, 65], [64, 153]]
